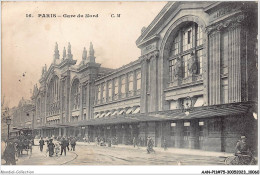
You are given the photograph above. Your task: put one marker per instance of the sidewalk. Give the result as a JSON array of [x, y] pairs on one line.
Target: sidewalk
[[172, 150], [42, 158]]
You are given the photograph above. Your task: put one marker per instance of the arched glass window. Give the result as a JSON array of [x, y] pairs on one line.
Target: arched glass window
[[109, 90], [98, 94], [123, 86], [104, 93], [186, 52], [130, 84], [52, 96], [115, 88], [38, 107], [138, 81], [75, 95]]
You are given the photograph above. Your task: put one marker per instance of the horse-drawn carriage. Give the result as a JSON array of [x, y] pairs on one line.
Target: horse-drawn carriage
[[23, 144]]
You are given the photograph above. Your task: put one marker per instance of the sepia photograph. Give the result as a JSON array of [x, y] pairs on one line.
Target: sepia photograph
[[130, 83]]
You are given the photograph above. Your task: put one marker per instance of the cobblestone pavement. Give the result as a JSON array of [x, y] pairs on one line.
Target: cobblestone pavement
[[90, 154], [116, 155], [42, 158]]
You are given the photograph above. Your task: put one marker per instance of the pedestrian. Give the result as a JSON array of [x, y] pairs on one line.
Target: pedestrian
[[19, 148], [9, 153], [51, 148], [150, 145], [73, 144], [41, 143], [109, 142], [67, 143], [63, 145], [30, 146], [164, 144], [57, 149], [134, 142]]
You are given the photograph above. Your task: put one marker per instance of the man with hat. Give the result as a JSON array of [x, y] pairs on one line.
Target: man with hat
[[63, 145], [242, 146], [9, 153], [41, 143], [243, 152], [51, 148]]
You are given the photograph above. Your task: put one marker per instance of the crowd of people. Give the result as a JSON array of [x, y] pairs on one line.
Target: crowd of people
[[58, 146], [149, 143]]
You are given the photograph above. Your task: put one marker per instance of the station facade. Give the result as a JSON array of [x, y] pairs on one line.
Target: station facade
[[194, 84]]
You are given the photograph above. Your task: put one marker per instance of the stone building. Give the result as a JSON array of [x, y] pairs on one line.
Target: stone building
[[22, 118], [194, 84]]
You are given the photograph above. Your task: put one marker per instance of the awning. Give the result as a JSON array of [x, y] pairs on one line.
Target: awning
[[197, 112], [97, 115], [108, 114], [114, 113], [75, 113], [102, 115], [56, 117], [137, 110], [129, 111], [121, 112], [199, 102]]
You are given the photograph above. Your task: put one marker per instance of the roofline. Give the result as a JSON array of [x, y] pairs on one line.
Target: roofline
[[156, 19]]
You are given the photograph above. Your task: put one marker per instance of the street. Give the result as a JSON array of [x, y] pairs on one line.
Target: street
[[90, 154], [96, 155]]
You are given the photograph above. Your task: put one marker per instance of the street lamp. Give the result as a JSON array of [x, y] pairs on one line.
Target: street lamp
[[8, 122]]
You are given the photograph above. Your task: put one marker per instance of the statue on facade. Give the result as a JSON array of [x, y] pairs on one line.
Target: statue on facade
[[177, 69], [192, 64]]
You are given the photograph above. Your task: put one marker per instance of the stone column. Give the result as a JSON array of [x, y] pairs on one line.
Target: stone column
[[59, 131], [179, 134], [234, 65], [214, 68], [123, 131], [154, 82], [194, 137], [81, 101], [61, 100], [143, 108]]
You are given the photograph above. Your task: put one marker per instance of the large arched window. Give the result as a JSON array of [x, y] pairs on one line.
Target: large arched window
[[115, 88], [138, 81], [75, 95], [123, 83], [104, 94], [130, 84], [186, 52], [109, 90], [53, 96], [38, 107]]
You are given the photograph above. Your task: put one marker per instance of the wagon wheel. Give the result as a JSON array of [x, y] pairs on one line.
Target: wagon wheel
[[232, 160]]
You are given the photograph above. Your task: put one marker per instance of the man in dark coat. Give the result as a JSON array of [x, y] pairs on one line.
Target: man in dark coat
[[9, 153], [73, 144], [51, 148], [150, 145], [67, 143], [41, 143], [63, 145]]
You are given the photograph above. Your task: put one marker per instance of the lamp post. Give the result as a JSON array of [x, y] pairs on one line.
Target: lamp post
[[8, 122]]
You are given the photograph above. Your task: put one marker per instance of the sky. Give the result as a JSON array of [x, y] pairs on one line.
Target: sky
[[28, 42]]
